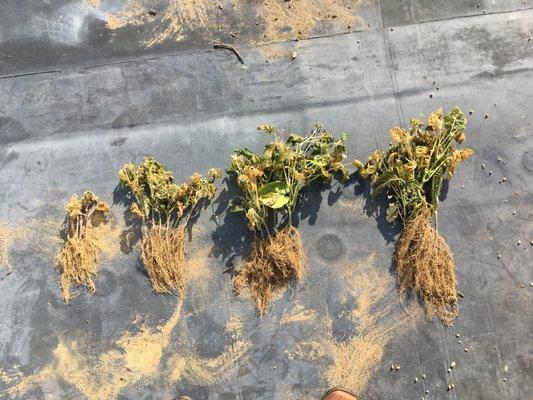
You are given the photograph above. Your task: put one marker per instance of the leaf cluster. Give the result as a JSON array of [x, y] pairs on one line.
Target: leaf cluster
[[416, 163], [157, 199], [80, 211], [271, 181]]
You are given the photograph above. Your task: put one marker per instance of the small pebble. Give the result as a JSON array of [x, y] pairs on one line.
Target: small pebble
[[519, 242], [504, 179], [499, 256], [506, 368], [471, 112], [457, 335], [416, 380], [452, 365], [427, 391], [392, 367], [466, 350], [506, 201], [431, 95], [451, 386], [505, 379], [531, 243], [514, 212], [423, 376], [490, 172], [294, 54], [397, 367], [482, 166], [449, 370], [521, 287], [460, 341], [486, 116], [437, 386]]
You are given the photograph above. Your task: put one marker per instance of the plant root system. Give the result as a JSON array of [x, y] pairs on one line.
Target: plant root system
[[163, 256], [425, 265], [78, 263], [272, 263]]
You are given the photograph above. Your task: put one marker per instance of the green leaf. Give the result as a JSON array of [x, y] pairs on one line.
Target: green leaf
[[294, 138], [383, 182], [274, 194]]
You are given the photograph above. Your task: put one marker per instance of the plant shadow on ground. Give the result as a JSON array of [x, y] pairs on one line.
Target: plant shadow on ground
[[132, 232], [232, 240]]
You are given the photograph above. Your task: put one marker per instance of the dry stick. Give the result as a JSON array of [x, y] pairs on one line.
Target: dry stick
[[230, 48]]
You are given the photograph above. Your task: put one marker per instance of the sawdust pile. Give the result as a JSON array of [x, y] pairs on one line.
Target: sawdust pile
[[378, 319], [278, 20], [271, 265], [424, 263], [163, 257]]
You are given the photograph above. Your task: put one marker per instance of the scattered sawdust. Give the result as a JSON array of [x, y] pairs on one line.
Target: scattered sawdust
[[377, 317], [424, 263], [297, 19], [278, 20], [104, 376], [94, 3], [234, 327], [8, 236], [204, 372], [356, 205], [132, 13], [274, 51], [298, 314]]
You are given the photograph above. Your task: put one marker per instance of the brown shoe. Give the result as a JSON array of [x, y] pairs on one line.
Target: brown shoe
[[338, 394]]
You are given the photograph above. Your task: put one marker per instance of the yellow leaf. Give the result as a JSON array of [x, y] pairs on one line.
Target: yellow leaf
[[397, 134], [435, 119]]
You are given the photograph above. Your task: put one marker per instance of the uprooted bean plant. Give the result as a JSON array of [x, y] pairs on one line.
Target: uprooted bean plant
[[411, 171], [165, 209], [270, 184]]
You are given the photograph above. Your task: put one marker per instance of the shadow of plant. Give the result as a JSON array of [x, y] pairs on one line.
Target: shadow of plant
[[231, 239], [132, 232]]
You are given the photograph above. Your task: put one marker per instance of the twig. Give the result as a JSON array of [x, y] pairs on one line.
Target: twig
[[230, 48]]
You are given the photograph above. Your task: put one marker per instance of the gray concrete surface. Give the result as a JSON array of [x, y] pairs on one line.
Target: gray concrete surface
[[77, 102]]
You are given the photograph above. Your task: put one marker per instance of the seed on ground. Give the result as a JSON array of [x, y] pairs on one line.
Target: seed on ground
[[452, 365], [457, 335], [397, 367]]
